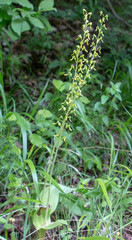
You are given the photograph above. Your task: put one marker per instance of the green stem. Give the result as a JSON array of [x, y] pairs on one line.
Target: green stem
[[111, 107], [1, 67], [54, 156]]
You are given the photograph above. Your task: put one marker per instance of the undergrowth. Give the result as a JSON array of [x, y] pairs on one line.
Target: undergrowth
[[69, 177]]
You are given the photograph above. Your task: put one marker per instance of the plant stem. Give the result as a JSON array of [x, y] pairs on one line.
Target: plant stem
[[1, 67], [54, 156]]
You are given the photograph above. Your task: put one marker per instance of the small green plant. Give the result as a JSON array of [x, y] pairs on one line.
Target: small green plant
[[109, 101]]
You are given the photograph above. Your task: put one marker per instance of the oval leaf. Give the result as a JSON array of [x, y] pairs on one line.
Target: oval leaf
[[40, 220], [17, 26], [24, 3], [59, 85], [104, 99], [46, 5], [84, 99], [105, 120], [36, 22], [53, 198], [25, 26], [42, 115], [3, 220], [36, 140]]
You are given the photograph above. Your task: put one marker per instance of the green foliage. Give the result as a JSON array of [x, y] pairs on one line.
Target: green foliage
[[20, 18], [109, 101]]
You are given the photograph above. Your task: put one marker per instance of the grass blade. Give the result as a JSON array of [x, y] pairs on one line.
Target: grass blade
[[102, 185], [3, 97], [26, 220], [1, 120], [34, 176], [1, 67]]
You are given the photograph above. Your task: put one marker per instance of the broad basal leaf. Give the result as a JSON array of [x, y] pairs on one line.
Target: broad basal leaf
[[55, 224], [40, 220], [53, 198]]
